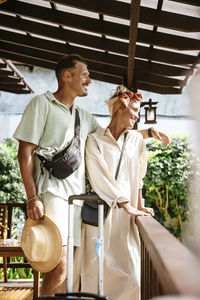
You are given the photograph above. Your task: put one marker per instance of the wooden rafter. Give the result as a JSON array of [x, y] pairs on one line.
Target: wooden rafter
[[159, 55], [147, 15], [84, 39], [134, 17], [11, 80], [101, 27]]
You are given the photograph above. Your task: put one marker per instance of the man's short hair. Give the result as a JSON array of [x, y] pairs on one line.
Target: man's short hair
[[67, 62]]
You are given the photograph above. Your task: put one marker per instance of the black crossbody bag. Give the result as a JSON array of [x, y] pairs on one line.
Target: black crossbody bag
[[89, 213], [64, 163]]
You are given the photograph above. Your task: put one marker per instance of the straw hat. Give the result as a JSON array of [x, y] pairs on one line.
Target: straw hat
[[42, 244]]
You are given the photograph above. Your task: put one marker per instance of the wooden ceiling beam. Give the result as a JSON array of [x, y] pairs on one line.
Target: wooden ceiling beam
[[98, 67], [106, 77], [27, 60], [115, 9], [159, 80], [88, 54], [190, 2], [104, 68], [164, 56], [10, 80], [62, 35], [161, 69], [134, 17], [167, 40], [51, 65], [97, 57], [52, 57], [115, 46], [94, 57], [100, 27], [15, 91], [147, 15], [2, 65], [94, 75], [161, 19], [4, 72], [158, 89], [14, 86], [30, 52], [66, 19], [150, 67]]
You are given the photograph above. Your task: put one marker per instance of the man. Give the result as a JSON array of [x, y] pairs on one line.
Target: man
[[46, 128]]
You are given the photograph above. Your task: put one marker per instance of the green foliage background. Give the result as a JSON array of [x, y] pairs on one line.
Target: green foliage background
[[11, 186], [166, 184], [12, 191]]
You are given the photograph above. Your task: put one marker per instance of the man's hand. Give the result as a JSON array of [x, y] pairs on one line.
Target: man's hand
[[35, 209], [161, 137], [129, 209]]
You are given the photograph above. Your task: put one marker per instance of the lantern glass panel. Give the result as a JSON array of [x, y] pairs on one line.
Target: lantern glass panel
[[150, 114]]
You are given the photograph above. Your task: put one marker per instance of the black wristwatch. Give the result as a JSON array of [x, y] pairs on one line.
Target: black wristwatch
[[150, 132]]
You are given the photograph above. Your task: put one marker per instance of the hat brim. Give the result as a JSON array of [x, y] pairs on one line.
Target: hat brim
[[44, 267]]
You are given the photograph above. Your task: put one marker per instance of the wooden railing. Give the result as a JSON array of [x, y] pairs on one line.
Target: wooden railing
[[10, 207], [167, 266]]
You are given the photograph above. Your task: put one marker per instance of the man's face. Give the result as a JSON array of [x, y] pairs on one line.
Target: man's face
[[79, 80]]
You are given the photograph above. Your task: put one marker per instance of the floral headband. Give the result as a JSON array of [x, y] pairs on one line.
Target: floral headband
[[124, 98]]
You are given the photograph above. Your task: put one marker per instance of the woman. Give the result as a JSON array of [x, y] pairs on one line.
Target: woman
[[124, 196]]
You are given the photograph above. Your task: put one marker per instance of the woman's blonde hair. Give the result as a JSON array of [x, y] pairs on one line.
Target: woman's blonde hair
[[124, 96], [119, 90]]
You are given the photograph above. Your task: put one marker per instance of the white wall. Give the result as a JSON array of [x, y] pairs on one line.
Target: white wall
[[192, 227], [173, 109], [42, 80]]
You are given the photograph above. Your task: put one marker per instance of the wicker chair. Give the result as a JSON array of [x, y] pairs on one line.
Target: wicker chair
[[3, 228]]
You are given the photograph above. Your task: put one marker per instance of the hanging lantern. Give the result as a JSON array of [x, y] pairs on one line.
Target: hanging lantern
[[150, 113]]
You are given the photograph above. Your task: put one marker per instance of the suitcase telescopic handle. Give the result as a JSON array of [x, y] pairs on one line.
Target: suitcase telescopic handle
[[70, 252], [84, 197]]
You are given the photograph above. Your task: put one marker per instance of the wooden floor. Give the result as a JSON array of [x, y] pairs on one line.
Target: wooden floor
[[16, 293], [16, 289]]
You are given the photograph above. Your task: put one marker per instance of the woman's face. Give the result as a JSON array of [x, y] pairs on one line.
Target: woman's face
[[130, 114]]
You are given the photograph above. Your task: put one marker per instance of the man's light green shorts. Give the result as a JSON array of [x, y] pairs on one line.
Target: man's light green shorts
[[57, 209]]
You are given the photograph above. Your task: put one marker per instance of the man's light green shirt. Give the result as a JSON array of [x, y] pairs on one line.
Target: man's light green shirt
[[49, 124]]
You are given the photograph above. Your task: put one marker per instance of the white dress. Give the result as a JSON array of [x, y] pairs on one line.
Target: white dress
[[121, 237]]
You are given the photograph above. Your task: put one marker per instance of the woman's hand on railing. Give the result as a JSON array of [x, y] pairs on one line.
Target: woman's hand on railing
[[148, 210], [129, 209]]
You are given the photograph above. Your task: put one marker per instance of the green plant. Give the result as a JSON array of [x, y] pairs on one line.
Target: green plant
[[166, 184], [17, 273], [12, 191], [11, 186]]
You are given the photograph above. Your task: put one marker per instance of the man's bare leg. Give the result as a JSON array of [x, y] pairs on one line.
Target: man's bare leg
[[55, 281]]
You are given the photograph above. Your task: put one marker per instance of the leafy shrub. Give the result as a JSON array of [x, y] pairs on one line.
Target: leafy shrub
[[11, 186], [12, 191], [17, 273], [166, 184]]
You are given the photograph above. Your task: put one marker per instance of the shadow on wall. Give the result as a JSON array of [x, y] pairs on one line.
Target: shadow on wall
[[192, 227]]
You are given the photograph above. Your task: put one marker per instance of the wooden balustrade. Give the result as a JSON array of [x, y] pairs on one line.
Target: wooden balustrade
[[167, 266], [10, 207]]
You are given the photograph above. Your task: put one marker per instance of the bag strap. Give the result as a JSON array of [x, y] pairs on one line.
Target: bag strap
[[120, 159], [77, 125]]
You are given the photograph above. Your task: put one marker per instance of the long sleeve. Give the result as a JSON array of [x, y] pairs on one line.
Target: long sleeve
[[142, 163], [101, 179]]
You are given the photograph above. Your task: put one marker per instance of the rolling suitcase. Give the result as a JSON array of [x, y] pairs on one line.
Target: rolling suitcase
[[70, 254]]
